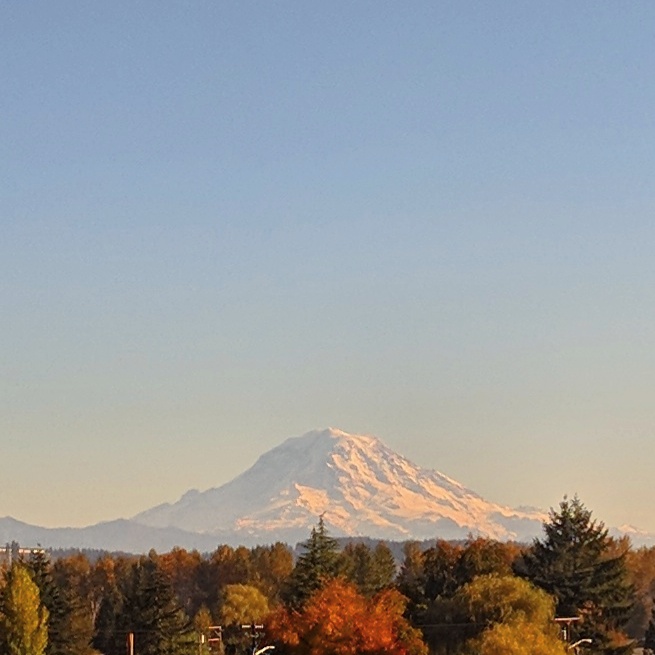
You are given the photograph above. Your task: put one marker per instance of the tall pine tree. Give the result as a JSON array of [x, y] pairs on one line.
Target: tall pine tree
[[320, 562], [152, 612], [54, 601], [70, 626], [574, 563]]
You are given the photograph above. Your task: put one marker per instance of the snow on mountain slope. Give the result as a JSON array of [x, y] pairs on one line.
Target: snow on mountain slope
[[362, 488]]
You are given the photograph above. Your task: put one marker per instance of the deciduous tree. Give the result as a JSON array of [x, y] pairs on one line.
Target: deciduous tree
[[338, 620], [242, 604], [509, 616], [23, 618]]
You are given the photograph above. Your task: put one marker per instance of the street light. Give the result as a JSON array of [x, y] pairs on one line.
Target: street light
[[263, 650], [575, 645]]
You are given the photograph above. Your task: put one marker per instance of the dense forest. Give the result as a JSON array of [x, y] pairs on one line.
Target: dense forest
[[575, 588]]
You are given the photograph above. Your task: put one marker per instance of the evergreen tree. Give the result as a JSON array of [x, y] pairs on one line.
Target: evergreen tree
[[23, 618], [72, 577], [52, 598], [370, 571], [411, 581], [70, 626], [320, 562], [358, 567], [384, 567], [108, 638], [575, 563], [152, 612]]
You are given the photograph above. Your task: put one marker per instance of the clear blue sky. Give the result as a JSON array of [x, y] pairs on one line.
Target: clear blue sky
[[228, 223]]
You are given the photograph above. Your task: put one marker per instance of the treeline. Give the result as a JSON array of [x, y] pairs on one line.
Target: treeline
[[480, 596]]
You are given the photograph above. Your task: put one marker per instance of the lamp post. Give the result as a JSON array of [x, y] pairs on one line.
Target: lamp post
[[263, 650], [574, 646]]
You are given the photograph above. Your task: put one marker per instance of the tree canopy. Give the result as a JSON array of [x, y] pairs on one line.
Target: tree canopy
[[576, 563], [319, 563], [338, 620], [23, 618]]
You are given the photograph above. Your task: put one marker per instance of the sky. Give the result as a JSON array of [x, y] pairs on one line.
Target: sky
[[223, 224]]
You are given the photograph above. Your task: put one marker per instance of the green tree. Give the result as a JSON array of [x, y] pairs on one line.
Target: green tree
[[508, 615], [520, 638], [182, 569], [242, 604], [23, 618], [371, 570], [319, 563], [411, 580], [151, 611], [576, 563], [432, 578], [272, 566], [52, 598], [109, 637], [72, 577], [490, 599]]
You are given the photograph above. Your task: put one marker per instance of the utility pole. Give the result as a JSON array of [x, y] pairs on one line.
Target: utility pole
[[215, 636], [255, 635]]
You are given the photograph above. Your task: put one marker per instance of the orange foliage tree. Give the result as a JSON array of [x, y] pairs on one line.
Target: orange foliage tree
[[338, 620]]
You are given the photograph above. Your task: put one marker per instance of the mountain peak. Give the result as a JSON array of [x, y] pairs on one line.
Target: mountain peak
[[359, 485], [331, 435]]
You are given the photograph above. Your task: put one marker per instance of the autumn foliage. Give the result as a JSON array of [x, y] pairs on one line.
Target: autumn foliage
[[338, 620]]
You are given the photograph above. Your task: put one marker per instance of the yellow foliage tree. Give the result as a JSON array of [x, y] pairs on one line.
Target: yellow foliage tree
[[495, 598], [23, 620], [242, 603], [513, 617], [518, 638]]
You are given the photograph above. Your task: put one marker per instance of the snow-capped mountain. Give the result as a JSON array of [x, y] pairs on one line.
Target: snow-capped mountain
[[359, 485]]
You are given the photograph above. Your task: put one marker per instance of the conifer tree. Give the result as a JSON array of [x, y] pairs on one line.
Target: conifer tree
[[574, 563], [319, 563], [53, 600], [152, 612], [384, 567], [371, 570], [109, 638], [411, 580], [72, 575], [358, 567]]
